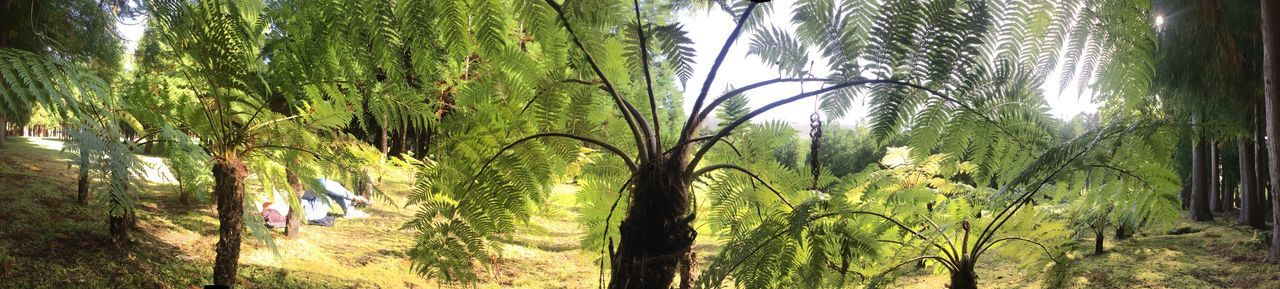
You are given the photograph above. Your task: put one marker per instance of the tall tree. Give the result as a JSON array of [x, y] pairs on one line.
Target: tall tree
[[1200, 173], [1215, 177], [1271, 89]]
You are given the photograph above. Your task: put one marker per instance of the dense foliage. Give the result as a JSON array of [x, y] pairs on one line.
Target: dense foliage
[[494, 102]]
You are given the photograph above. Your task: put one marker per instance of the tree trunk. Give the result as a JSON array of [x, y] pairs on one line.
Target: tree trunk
[[1215, 178], [293, 221], [4, 127], [382, 138], [656, 233], [119, 227], [1200, 181], [965, 278], [1185, 195], [228, 186], [1271, 89], [1098, 237], [1250, 202], [1228, 195], [1123, 231], [82, 185]]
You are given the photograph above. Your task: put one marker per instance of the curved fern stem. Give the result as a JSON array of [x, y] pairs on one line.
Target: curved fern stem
[[702, 115], [993, 244], [648, 78], [710, 168], [950, 254], [639, 128], [989, 231], [630, 164], [944, 262], [729, 129], [692, 123]]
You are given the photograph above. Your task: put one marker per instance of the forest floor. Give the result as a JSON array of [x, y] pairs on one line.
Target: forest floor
[[49, 241]]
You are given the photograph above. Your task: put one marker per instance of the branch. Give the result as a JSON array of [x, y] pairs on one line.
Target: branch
[[648, 79], [691, 123], [639, 128], [710, 168]]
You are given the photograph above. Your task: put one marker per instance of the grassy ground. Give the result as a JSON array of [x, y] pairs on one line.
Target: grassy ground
[[1211, 255], [49, 241]]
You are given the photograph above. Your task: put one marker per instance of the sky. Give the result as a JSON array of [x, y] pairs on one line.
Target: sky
[[709, 29]]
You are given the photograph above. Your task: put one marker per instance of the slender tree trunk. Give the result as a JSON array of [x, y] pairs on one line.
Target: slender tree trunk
[[228, 176], [1215, 178], [1250, 203], [1200, 181], [1228, 195], [1271, 89], [293, 221], [382, 138], [656, 233], [4, 127], [404, 141], [1185, 195], [82, 185]]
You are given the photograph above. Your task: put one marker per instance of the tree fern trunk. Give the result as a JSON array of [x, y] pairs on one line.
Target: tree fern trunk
[[82, 185], [1200, 181], [228, 186], [1099, 236], [382, 138], [293, 221], [964, 278], [1271, 75], [656, 233], [4, 127]]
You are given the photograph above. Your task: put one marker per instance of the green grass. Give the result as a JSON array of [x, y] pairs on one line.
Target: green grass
[[1218, 254], [49, 241]]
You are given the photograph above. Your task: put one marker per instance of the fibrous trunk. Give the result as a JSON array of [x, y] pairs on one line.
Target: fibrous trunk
[[1271, 88], [964, 278], [82, 185], [4, 127], [1098, 238], [293, 221], [228, 186], [656, 234], [1199, 181]]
